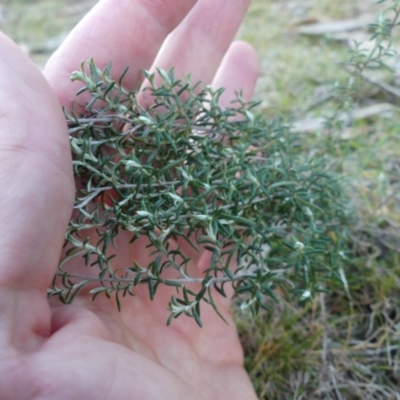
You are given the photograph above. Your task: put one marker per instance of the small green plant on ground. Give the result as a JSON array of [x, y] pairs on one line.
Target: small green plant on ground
[[345, 344], [222, 180]]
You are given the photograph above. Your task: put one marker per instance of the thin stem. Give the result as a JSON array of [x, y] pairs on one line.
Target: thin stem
[[97, 191], [181, 281]]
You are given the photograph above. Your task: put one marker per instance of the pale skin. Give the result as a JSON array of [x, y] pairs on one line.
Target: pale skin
[[88, 350]]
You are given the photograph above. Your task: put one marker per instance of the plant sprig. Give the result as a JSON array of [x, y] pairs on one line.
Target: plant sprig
[[223, 180]]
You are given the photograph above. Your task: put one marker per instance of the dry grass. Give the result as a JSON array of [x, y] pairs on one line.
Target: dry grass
[[345, 344]]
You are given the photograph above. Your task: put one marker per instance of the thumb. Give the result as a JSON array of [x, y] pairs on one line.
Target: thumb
[[37, 192]]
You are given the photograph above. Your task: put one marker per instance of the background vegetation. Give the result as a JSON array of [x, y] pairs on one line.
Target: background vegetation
[[345, 344]]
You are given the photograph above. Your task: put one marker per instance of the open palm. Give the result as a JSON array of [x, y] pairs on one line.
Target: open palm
[[89, 350]]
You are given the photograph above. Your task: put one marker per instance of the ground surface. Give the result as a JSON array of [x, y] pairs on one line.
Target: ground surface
[[344, 345]]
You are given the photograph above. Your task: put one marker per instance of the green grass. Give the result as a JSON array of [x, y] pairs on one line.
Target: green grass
[[344, 345], [39, 26]]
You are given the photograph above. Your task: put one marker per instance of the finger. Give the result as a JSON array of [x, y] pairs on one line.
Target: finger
[[198, 45], [128, 32], [37, 194], [238, 72]]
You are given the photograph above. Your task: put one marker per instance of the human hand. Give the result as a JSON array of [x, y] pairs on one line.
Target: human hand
[[88, 349]]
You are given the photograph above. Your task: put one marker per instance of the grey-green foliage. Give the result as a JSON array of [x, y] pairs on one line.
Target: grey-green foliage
[[375, 57], [221, 179], [382, 30]]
